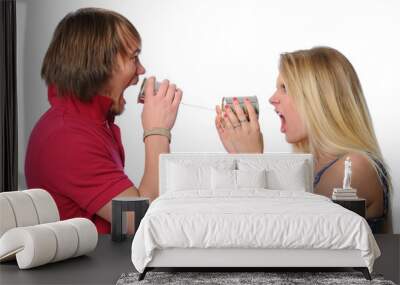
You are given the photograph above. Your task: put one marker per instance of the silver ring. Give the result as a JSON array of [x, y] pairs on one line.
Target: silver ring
[[243, 121]]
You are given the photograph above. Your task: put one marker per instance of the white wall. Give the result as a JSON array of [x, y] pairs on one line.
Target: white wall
[[222, 48]]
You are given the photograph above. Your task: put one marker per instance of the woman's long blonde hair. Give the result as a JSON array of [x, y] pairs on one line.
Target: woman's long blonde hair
[[330, 100]]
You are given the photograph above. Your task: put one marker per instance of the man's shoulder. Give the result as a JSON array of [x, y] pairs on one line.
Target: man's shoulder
[[57, 127]]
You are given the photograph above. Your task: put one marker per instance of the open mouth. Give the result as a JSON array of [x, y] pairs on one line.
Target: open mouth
[[132, 82], [283, 121]]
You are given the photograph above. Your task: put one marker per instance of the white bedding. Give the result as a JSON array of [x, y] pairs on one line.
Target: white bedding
[[251, 218]]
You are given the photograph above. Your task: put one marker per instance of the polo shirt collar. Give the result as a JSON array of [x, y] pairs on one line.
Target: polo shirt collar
[[97, 109]]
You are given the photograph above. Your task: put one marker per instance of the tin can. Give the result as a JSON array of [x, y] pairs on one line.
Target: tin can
[[228, 101], [140, 98]]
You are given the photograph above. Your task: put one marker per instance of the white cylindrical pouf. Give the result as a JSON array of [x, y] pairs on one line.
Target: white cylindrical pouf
[[34, 246], [87, 234], [7, 217], [40, 244], [67, 239], [23, 208], [45, 205]]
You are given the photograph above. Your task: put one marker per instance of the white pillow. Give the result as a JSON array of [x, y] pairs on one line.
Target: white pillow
[[183, 178], [223, 179], [185, 174], [282, 174], [251, 178], [237, 179], [293, 179]]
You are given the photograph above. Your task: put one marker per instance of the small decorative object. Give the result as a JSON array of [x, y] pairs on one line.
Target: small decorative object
[[138, 205], [347, 174], [347, 192]]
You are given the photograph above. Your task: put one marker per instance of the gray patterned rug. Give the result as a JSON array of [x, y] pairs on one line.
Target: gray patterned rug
[[225, 278]]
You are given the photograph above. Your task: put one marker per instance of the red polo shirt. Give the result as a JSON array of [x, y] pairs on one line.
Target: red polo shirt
[[75, 153]]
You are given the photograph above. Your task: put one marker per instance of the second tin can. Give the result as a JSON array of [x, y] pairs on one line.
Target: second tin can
[[228, 101]]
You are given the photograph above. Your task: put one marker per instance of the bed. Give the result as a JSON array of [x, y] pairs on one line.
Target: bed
[[246, 211]]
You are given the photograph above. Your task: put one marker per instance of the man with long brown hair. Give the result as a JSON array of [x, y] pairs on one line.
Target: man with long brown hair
[[75, 150]]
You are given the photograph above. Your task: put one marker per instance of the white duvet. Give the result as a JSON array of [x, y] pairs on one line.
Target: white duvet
[[251, 218]]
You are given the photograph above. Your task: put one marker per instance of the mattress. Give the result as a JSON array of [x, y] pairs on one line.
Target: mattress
[[250, 219]]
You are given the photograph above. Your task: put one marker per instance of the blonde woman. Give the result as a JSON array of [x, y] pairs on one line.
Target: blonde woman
[[323, 111]]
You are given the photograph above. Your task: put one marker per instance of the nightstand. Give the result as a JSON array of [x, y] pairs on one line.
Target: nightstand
[[138, 205], [355, 205]]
